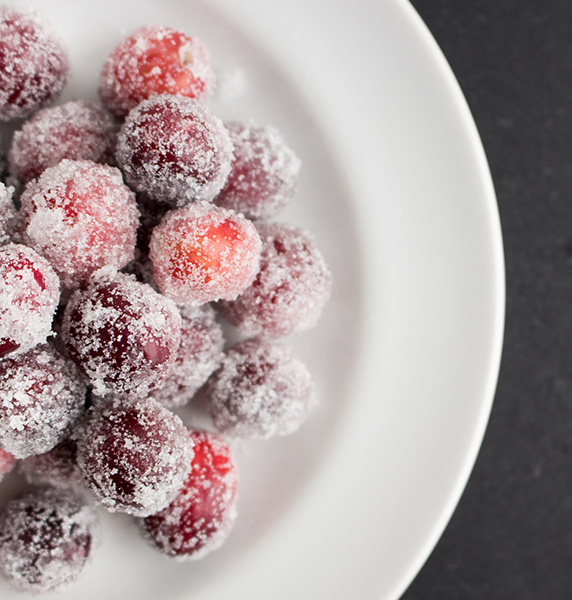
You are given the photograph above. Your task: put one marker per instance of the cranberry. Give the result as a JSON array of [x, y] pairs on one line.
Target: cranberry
[[76, 130], [155, 60], [289, 291], [47, 539], [33, 63], [201, 253], [9, 219], [200, 518], [7, 462], [123, 335], [174, 149], [263, 174], [134, 456], [81, 217]]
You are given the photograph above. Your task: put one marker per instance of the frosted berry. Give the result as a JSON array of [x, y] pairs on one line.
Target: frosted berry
[[202, 252], [33, 63], [81, 217], [123, 335], [77, 130], [29, 296], [289, 291], [57, 467], [200, 518], [47, 539], [263, 174], [7, 462], [134, 456], [9, 220], [155, 60], [261, 390], [200, 353], [174, 149], [41, 397]]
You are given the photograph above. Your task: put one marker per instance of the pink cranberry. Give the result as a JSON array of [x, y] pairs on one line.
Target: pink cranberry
[[134, 456], [200, 518], [47, 539], [122, 334], [155, 60], [33, 63]]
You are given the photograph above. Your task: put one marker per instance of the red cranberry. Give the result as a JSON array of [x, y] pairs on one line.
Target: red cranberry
[[47, 539], [123, 335], [155, 60], [134, 456], [201, 253], [33, 63], [174, 149], [201, 516]]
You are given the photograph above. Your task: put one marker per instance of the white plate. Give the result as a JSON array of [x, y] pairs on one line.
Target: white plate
[[396, 188]]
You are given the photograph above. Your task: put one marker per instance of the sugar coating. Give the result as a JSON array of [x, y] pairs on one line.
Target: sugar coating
[[57, 467], [263, 174], [9, 220], [201, 517], [77, 130], [123, 335], [7, 462], [201, 253], [29, 297], [81, 216], [199, 355], [134, 455], [261, 390], [47, 539], [34, 64], [155, 60], [290, 290], [174, 149], [41, 398]]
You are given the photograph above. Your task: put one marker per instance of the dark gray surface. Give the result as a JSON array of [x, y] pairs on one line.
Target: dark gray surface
[[511, 535]]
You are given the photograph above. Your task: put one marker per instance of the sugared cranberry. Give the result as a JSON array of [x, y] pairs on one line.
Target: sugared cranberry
[[81, 217], [201, 516], [47, 539], [33, 63], [77, 130], [134, 455], [123, 335], [202, 252], [41, 397], [29, 296], [261, 390], [174, 149], [263, 174], [57, 467], [155, 60], [9, 221], [200, 353], [290, 290], [7, 462]]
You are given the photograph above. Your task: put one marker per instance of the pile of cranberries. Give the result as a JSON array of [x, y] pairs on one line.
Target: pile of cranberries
[[129, 232]]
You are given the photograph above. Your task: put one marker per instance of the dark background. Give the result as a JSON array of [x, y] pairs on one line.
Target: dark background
[[511, 535]]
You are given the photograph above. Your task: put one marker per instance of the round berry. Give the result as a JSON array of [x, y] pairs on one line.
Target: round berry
[[174, 149], [261, 390], [7, 462], [34, 64], [200, 353], [122, 334], [263, 174], [200, 518], [134, 456], [155, 60], [9, 220], [29, 296], [77, 130], [41, 397], [202, 252], [47, 539], [289, 291], [81, 217]]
